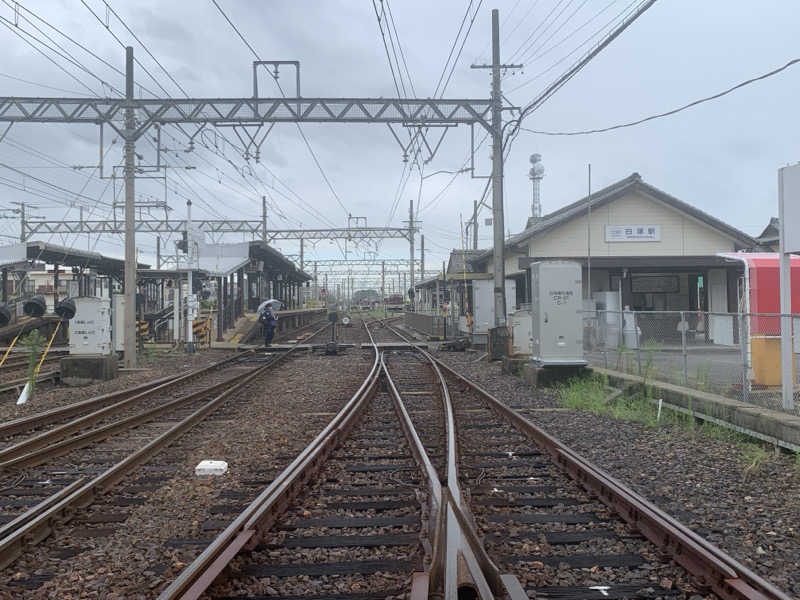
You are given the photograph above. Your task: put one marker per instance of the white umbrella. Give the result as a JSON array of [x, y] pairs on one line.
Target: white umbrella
[[268, 303]]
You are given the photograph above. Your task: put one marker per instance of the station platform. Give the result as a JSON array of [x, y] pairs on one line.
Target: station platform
[[772, 426]]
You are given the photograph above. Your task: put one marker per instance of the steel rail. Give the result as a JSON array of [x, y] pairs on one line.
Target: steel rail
[[456, 539], [64, 446], [38, 528], [61, 412], [11, 365], [707, 563], [51, 436], [249, 527]]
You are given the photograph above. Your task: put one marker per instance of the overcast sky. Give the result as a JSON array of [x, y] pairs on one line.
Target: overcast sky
[[721, 157]]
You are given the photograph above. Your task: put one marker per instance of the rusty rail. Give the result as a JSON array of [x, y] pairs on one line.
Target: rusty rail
[[456, 541], [39, 527], [263, 512], [710, 566], [62, 412]]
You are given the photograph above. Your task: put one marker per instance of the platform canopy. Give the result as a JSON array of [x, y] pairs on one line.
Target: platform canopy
[[275, 263], [17, 256]]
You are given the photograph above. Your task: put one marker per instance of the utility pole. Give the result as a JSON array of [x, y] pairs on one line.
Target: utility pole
[[158, 252], [190, 297], [421, 256], [316, 283], [496, 102], [497, 179], [264, 219], [383, 286], [302, 260], [129, 343], [411, 248], [474, 224]]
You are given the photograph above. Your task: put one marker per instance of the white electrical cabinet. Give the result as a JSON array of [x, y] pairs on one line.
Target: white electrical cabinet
[[521, 332], [483, 301], [556, 319], [90, 328]]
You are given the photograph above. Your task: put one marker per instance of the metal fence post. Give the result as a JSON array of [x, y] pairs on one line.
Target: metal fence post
[[684, 350], [743, 344], [637, 341]]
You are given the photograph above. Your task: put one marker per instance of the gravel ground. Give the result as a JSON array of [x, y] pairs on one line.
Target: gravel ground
[[161, 364], [256, 434], [752, 514]]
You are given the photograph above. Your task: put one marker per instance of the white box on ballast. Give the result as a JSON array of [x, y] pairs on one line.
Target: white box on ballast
[[211, 467]]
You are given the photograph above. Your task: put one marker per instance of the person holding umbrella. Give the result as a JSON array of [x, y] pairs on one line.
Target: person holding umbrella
[[268, 320]]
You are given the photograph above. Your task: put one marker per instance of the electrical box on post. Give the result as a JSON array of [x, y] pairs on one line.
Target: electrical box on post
[[90, 328], [556, 318]]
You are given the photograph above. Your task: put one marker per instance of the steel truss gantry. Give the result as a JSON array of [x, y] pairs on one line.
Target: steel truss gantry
[[215, 226], [243, 111], [132, 117]]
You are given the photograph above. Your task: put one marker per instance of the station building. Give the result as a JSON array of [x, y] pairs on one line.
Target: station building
[[658, 252]]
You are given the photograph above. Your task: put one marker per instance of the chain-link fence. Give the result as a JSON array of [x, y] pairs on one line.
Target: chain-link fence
[[737, 355]]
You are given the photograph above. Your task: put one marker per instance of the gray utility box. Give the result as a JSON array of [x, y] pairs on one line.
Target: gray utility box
[[483, 300], [557, 323], [90, 328]]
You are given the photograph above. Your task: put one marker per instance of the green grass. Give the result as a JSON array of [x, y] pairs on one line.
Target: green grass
[[591, 394]]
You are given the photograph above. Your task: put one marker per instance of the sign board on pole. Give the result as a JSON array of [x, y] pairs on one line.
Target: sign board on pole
[[790, 199]]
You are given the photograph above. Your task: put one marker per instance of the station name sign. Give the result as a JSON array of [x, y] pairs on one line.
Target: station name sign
[[633, 233]]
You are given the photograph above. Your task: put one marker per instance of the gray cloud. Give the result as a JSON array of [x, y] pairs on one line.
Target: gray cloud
[[721, 157]]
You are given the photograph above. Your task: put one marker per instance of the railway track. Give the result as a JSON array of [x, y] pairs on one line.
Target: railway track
[[52, 476], [471, 501]]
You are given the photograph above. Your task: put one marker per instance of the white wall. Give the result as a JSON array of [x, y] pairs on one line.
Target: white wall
[[681, 235]]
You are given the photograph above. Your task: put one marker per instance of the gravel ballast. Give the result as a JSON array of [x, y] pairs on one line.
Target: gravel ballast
[[257, 434], [159, 364], [752, 513]]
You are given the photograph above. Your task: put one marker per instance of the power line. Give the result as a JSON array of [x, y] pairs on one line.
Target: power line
[[68, 37], [452, 48], [542, 53], [42, 85], [386, 48], [299, 128], [40, 51], [394, 50], [674, 110], [146, 49], [122, 44], [535, 30], [619, 17], [461, 49], [400, 47], [572, 71], [533, 51]]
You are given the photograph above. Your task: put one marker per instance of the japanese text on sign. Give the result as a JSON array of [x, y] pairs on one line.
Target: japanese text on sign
[[633, 233], [561, 297]]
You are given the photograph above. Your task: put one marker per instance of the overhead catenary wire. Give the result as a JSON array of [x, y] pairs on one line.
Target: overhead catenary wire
[[41, 85], [299, 128], [40, 51]]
